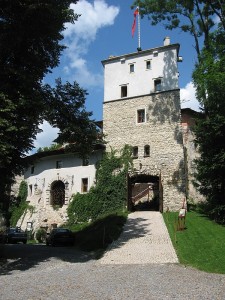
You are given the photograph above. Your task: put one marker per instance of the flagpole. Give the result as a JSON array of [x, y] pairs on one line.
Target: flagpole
[[139, 31]]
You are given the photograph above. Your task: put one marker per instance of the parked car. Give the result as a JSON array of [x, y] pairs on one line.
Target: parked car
[[60, 236], [14, 235]]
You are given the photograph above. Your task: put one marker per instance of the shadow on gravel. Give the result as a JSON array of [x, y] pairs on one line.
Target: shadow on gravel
[[133, 229], [24, 257], [91, 241]]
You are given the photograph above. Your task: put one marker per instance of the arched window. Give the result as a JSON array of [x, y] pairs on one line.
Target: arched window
[[57, 193], [146, 151]]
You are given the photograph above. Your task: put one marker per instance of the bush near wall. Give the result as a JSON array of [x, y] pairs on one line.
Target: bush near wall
[[110, 193]]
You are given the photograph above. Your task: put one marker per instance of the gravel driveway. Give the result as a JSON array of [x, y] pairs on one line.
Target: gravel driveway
[[38, 272], [65, 277]]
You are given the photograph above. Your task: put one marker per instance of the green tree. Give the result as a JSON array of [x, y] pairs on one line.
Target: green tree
[[193, 16], [30, 46], [209, 78]]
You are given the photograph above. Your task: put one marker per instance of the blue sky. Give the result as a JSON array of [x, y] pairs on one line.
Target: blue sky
[[103, 29]]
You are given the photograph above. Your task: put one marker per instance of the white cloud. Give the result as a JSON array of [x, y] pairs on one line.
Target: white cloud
[[188, 98], [80, 35], [47, 136]]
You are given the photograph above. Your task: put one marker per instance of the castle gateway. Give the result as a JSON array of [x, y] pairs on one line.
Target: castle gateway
[[142, 108]]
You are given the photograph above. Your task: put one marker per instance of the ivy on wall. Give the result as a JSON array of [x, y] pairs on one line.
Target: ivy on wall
[[17, 210], [110, 192]]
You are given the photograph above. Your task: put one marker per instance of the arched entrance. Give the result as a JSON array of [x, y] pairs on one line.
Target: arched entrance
[[144, 192], [57, 193]]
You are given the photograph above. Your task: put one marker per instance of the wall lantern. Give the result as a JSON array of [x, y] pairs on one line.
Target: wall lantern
[[66, 185], [42, 182]]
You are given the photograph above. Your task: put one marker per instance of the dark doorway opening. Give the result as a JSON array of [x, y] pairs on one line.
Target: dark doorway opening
[[57, 193], [144, 193]]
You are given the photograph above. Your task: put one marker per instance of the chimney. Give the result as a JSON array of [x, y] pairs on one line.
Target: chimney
[[167, 41]]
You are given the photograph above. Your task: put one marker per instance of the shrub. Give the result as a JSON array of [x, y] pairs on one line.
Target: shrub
[[40, 235]]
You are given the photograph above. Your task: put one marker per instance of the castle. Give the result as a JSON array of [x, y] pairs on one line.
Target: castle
[[141, 108]]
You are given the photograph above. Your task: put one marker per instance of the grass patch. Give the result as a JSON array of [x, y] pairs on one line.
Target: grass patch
[[201, 244], [98, 235], [32, 242]]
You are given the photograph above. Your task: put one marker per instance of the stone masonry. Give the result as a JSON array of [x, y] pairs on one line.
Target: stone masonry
[[161, 131]]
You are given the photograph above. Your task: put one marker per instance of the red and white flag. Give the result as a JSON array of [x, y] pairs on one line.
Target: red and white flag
[[136, 12]]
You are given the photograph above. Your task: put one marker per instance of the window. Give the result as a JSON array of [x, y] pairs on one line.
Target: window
[[84, 185], [123, 91], [131, 68], [30, 189], [148, 65], [32, 170], [146, 151], [135, 152], [59, 164], [158, 85], [141, 116]]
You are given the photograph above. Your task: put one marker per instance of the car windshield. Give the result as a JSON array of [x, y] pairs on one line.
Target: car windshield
[[61, 230], [13, 230]]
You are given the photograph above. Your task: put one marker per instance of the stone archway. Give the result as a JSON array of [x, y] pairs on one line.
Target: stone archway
[[57, 193], [144, 192]]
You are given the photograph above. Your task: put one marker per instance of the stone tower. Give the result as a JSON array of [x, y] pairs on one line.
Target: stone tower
[[142, 108]]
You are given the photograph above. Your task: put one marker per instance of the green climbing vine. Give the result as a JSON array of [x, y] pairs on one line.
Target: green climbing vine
[[110, 192], [17, 209]]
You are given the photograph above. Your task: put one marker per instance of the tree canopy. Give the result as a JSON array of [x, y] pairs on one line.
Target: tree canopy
[[209, 78], [31, 34], [193, 16]]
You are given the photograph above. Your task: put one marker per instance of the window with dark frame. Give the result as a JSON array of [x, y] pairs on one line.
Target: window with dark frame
[[131, 68], [158, 85], [59, 164], [123, 91], [140, 115], [84, 185], [148, 65], [135, 152], [146, 151]]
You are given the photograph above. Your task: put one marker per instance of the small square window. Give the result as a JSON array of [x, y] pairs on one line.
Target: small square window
[[135, 152], [141, 116], [148, 65], [59, 164], [131, 68], [158, 85], [123, 91], [84, 185]]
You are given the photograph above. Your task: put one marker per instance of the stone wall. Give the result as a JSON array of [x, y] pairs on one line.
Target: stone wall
[[161, 131], [191, 153]]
